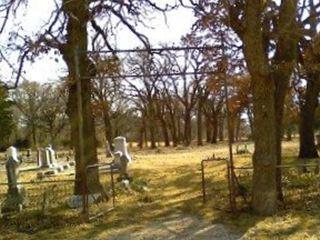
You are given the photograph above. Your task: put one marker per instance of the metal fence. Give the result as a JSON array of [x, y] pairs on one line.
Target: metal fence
[[300, 185], [98, 204], [215, 189], [44, 196], [46, 204], [49, 200]]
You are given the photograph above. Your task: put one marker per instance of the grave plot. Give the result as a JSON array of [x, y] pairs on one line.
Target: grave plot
[[96, 204], [23, 193]]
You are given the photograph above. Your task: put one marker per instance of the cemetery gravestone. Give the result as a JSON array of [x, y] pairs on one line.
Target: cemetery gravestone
[[16, 197], [42, 158], [52, 156], [242, 149], [121, 155]]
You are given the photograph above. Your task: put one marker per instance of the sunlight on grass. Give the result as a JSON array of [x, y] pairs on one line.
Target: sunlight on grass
[[173, 181]]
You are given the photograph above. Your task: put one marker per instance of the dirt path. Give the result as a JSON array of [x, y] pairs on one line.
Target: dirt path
[[179, 226]]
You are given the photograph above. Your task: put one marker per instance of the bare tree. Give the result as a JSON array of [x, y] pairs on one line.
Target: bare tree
[[67, 31], [29, 100], [107, 93], [53, 111]]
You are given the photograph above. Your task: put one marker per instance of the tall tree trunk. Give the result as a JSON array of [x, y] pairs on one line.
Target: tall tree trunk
[[250, 118], [221, 128], [78, 16], [140, 140], [152, 135], [307, 120], [269, 83], [283, 65], [264, 191], [238, 128], [34, 136], [146, 143], [232, 127], [215, 128], [187, 128], [199, 124], [151, 124], [165, 133], [173, 129], [289, 134], [179, 129], [152, 132], [142, 132], [208, 129], [108, 128]]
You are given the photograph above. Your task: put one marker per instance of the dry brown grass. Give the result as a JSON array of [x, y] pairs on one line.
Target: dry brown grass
[[173, 179]]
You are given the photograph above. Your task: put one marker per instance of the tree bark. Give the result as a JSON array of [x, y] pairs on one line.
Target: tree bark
[[214, 136], [34, 136], [208, 129], [264, 192], [187, 128], [108, 128], [283, 65], [221, 128], [269, 82], [307, 120], [232, 127], [238, 128], [141, 133], [165, 133], [173, 129], [250, 118], [199, 124], [78, 16]]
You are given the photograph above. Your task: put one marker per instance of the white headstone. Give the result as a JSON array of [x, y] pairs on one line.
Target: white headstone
[[120, 145], [43, 158], [51, 156], [121, 156], [15, 198], [13, 153], [39, 158]]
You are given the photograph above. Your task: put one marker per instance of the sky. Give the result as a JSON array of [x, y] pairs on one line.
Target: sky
[[46, 69]]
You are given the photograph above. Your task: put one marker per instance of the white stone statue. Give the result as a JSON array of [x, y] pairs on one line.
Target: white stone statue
[[120, 145], [15, 198], [121, 156], [12, 167], [13, 153]]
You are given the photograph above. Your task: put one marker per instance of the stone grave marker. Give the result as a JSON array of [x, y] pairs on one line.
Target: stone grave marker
[[121, 156], [42, 158], [51, 155], [16, 196]]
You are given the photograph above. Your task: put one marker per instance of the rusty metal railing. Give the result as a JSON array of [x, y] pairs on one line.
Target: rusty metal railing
[[103, 169]]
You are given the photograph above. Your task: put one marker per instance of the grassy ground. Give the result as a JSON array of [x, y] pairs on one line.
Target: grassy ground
[[173, 181]]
